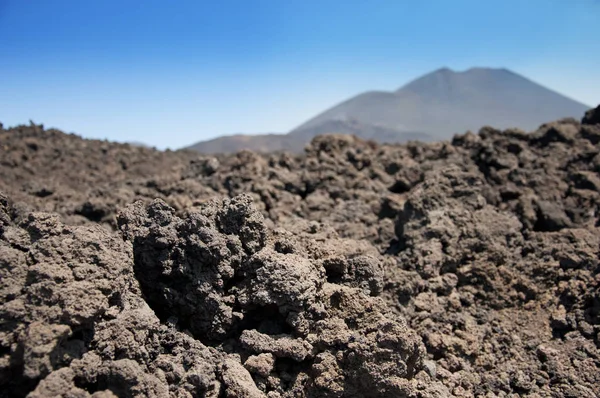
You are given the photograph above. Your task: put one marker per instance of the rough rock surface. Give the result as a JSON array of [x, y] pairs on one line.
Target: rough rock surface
[[208, 305], [219, 275], [74, 322], [463, 268]]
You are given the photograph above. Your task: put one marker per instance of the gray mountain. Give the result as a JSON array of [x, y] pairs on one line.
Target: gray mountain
[[435, 106], [257, 142]]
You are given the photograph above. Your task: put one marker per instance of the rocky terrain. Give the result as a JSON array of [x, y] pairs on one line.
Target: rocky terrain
[[462, 268]]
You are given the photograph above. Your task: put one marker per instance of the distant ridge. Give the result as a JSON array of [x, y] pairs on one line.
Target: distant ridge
[[434, 106], [258, 142]]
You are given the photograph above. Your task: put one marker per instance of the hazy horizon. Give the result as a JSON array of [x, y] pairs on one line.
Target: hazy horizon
[[170, 76]]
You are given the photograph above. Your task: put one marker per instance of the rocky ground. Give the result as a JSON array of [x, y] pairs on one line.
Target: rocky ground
[[464, 268]]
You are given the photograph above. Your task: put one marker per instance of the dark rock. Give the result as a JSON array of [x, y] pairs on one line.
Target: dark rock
[[592, 116], [476, 276]]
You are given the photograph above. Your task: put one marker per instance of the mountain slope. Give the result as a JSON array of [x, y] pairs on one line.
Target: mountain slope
[[295, 142], [434, 106], [445, 102], [259, 143]]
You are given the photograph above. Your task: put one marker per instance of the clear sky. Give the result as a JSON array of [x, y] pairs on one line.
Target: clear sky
[[170, 73]]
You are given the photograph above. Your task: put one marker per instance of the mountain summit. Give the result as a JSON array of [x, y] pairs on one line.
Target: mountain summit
[[435, 106], [445, 102]]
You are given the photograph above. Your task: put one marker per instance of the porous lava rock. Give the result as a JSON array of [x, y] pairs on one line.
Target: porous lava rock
[[462, 268], [219, 274], [212, 304], [74, 322]]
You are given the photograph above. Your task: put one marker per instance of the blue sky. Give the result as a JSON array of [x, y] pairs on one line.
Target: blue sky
[[173, 73]]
